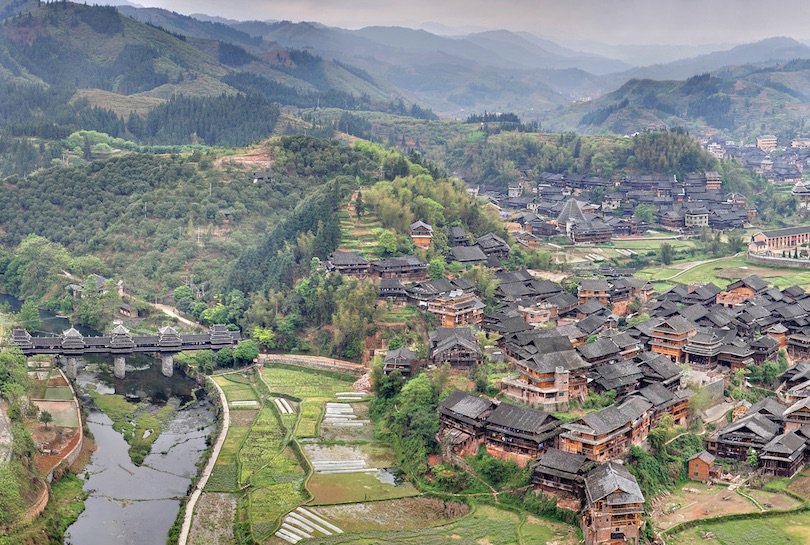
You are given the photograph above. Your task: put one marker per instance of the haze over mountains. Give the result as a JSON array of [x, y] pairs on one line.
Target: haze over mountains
[[374, 67]]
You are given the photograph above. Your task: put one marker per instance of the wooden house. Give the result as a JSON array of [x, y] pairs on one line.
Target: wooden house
[[457, 308], [783, 456], [561, 474], [608, 433], [520, 434], [404, 268], [614, 507], [421, 234], [594, 290], [670, 336], [456, 346], [701, 467], [348, 263], [402, 359], [751, 432], [462, 419], [548, 380]]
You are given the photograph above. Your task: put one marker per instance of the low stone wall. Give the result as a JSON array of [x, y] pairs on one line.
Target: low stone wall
[[779, 261], [38, 506]]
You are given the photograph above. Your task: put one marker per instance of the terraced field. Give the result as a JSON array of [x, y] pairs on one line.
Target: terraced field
[[361, 234]]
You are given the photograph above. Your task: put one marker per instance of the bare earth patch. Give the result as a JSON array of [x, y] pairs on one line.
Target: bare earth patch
[[696, 501], [213, 520]]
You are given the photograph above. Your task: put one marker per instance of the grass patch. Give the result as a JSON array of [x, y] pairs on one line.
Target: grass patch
[[65, 505], [139, 426], [224, 478], [236, 390], [58, 393], [790, 529], [355, 487]]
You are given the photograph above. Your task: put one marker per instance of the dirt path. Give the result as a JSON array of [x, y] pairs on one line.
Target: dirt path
[[5, 436], [697, 264], [172, 313]]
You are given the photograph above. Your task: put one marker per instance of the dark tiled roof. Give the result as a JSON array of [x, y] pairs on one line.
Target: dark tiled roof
[[612, 481], [558, 460], [466, 405], [518, 418], [468, 254]]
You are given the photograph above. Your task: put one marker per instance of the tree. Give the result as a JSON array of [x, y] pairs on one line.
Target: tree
[[46, 418], [264, 336], [436, 268], [388, 243], [245, 352], [359, 205], [736, 243], [28, 316], [665, 253], [752, 459], [644, 213], [224, 358]]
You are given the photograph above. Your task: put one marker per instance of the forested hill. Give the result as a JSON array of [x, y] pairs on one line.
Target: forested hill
[[741, 101], [67, 66], [155, 220]]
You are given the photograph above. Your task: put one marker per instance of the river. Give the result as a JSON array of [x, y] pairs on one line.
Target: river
[[129, 504]]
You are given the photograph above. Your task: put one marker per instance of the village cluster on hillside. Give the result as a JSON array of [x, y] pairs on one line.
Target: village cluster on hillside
[[595, 210], [614, 336]]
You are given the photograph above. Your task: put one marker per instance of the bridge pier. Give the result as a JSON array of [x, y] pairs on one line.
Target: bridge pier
[[119, 366], [72, 367], [167, 364]]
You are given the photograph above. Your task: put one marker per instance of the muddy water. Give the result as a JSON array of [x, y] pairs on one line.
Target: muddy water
[[131, 505]]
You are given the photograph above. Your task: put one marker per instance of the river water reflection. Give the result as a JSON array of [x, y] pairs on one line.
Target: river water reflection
[[138, 505]]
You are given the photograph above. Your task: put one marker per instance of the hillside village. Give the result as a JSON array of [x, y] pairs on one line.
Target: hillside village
[[609, 336]]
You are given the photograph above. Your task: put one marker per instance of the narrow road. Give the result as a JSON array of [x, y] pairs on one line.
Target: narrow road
[[172, 313], [209, 467], [697, 264]]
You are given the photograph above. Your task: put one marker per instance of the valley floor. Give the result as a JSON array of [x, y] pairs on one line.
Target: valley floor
[[300, 464]]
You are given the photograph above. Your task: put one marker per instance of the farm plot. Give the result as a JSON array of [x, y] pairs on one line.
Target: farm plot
[[302, 523], [273, 472], [788, 529], [341, 425], [333, 488], [238, 391], [486, 525], [313, 388], [213, 520], [403, 514]]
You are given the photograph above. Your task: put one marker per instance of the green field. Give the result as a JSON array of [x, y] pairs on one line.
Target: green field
[[272, 471], [790, 529], [311, 387], [58, 393], [235, 389], [484, 526], [354, 487], [723, 271]]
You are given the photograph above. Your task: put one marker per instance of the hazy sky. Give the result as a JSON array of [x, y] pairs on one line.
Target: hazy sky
[[612, 21]]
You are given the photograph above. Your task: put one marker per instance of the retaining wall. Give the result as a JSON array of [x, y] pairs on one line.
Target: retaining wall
[[779, 261]]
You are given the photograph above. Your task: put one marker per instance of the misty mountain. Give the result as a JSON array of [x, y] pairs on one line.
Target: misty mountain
[[739, 101], [769, 51]]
